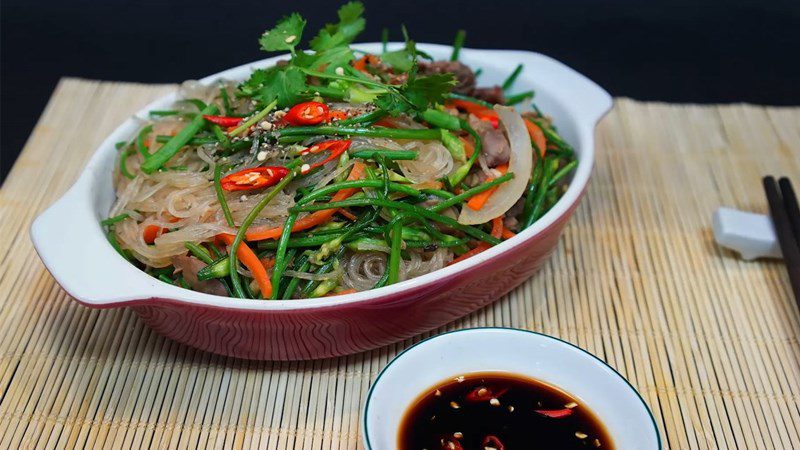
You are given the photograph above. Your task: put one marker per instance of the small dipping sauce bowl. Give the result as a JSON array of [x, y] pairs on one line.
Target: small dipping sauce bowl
[[593, 383]]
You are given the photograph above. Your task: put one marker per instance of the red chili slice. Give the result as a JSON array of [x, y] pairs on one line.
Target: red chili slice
[[484, 394], [255, 178], [307, 113], [493, 442], [555, 413], [224, 121], [335, 147]]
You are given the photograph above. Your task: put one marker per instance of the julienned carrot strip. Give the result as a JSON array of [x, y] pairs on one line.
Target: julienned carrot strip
[[253, 264], [508, 234], [481, 247], [313, 219], [347, 214], [479, 111], [497, 227], [386, 123], [151, 232], [477, 201], [361, 63], [344, 292], [537, 136], [498, 230], [469, 149]]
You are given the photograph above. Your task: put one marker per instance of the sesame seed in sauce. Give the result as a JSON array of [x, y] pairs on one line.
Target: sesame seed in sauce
[[494, 402], [597, 443], [510, 408], [438, 393], [458, 435], [454, 405], [460, 379], [571, 405], [581, 435]]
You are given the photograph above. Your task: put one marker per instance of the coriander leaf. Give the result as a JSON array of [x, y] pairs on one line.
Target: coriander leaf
[[287, 86], [427, 90], [285, 36], [399, 60], [417, 94], [335, 35], [403, 60], [393, 103], [325, 61], [253, 84]]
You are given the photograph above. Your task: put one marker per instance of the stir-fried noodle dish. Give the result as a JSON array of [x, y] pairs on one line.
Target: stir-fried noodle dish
[[335, 171]]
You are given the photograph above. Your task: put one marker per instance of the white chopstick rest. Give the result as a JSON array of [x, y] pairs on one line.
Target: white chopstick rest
[[752, 235]]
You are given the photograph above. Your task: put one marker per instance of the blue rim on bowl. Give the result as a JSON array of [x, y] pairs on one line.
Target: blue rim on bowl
[[365, 416]]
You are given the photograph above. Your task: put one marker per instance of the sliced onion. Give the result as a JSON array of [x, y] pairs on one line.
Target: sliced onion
[[520, 164]]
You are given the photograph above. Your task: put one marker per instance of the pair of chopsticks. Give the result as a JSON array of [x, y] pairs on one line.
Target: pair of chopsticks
[[785, 214]]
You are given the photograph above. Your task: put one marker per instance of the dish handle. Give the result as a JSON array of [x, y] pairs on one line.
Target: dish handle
[[595, 102], [72, 245]]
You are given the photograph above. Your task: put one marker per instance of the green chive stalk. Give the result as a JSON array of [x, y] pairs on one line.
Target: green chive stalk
[[168, 150]]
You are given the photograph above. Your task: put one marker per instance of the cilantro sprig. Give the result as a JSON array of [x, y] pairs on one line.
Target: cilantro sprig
[[330, 61]]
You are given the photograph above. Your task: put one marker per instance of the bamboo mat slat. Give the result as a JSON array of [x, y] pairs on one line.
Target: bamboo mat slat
[[710, 341]]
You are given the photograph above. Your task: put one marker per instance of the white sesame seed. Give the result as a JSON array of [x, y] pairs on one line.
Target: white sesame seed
[[460, 379], [438, 393], [243, 198], [581, 435], [305, 168], [458, 435], [339, 71], [510, 408], [494, 402], [571, 405], [261, 156], [454, 405], [265, 125], [290, 39]]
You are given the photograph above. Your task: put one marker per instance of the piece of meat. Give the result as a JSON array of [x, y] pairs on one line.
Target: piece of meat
[[496, 149], [465, 77], [492, 94], [189, 266]]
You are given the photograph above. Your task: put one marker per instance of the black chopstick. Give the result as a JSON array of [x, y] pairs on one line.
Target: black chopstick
[[792, 208], [786, 219]]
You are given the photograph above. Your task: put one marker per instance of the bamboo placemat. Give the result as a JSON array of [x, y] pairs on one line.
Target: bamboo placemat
[[710, 341]]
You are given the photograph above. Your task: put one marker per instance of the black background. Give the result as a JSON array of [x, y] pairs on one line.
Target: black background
[[676, 51]]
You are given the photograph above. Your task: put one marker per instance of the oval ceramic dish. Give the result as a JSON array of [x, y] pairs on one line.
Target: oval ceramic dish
[[593, 383], [322, 327]]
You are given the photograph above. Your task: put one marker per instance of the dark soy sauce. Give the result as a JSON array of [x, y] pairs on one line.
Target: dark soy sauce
[[499, 411]]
